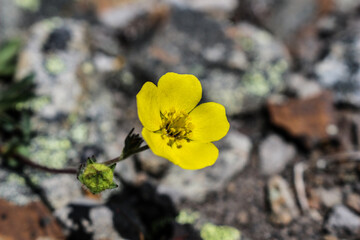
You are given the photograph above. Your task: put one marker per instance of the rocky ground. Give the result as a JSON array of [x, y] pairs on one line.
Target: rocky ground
[[288, 73]]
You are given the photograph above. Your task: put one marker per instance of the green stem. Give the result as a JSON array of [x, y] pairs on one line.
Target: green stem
[[123, 156]]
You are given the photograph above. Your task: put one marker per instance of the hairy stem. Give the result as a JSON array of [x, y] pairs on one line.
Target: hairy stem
[[27, 161]]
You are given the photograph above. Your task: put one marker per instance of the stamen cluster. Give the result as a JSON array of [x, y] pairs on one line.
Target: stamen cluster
[[176, 127]]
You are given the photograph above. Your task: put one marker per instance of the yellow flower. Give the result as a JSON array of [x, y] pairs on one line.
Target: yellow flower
[[174, 127]]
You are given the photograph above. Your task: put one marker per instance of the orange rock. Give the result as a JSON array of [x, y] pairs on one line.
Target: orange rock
[[311, 118], [29, 222]]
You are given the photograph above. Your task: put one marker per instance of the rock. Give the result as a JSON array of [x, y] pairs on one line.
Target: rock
[[243, 217], [32, 221], [339, 69], [313, 123], [13, 188], [55, 51], [10, 19], [283, 18], [330, 237], [120, 13], [76, 218], [234, 152], [214, 7], [353, 202], [152, 164], [303, 87], [329, 197], [239, 65], [61, 190], [346, 6], [102, 224], [343, 222], [282, 203], [275, 154]]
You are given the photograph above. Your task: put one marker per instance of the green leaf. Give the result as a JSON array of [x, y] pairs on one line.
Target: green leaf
[[17, 92], [8, 54]]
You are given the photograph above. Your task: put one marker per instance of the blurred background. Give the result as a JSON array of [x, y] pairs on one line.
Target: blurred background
[[287, 71]]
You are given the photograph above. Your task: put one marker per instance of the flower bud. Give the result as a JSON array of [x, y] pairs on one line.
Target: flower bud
[[97, 177]]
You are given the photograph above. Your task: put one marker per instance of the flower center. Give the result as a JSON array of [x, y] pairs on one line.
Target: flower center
[[176, 127]]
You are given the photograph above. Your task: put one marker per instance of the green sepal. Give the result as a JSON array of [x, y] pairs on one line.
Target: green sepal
[[112, 167], [91, 160]]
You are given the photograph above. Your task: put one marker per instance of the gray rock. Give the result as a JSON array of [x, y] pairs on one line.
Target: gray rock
[[353, 202], [81, 219], [13, 188], [152, 164], [339, 70], [239, 66], [102, 224], [282, 202], [213, 7], [10, 19], [182, 184], [55, 51], [275, 154], [61, 190], [121, 13], [329, 197], [346, 6], [342, 220], [303, 87], [284, 18]]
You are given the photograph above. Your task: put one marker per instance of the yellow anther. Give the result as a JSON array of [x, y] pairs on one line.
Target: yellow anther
[[175, 127]]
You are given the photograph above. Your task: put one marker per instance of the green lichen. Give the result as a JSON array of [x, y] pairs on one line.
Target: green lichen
[[31, 5], [262, 80], [256, 84], [49, 151], [187, 217], [247, 44], [15, 178], [54, 65], [35, 104], [79, 132], [210, 231]]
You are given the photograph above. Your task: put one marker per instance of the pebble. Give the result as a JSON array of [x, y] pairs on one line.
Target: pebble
[[275, 154], [353, 202], [342, 221], [282, 202], [329, 197]]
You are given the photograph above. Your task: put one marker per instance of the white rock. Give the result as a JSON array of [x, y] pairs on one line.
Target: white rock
[[61, 190], [342, 219], [275, 154], [330, 197], [102, 224]]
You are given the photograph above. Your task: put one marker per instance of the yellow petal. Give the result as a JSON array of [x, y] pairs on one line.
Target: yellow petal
[[179, 91], [192, 155], [148, 107], [195, 155], [157, 145], [209, 122]]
